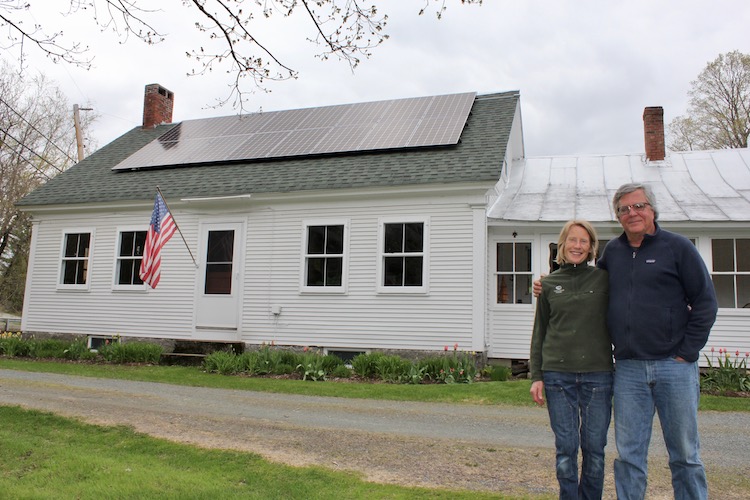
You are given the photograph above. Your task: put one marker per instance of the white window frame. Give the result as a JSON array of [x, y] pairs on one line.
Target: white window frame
[[734, 273], [425, 254], [304, 288], [62, 260], [514, 272], [117, 258]]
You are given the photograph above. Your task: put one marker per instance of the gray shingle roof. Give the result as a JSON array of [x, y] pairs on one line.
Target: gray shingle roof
[[477, 157]]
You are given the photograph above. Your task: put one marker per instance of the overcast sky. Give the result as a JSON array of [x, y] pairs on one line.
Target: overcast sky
[[585, 69]]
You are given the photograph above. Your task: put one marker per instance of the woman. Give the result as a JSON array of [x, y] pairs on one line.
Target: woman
[[571, 361]]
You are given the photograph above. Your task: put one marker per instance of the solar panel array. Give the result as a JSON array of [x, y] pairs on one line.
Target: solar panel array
[[400, 123]]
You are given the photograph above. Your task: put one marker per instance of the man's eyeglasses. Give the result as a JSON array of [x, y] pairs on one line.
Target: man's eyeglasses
[[638, 207]]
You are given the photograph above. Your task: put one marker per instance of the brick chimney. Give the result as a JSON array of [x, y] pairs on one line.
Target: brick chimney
[[653, 131], [157, 106]]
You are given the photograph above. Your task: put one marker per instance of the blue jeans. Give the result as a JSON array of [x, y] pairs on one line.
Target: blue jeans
[[672, 389], [580, 409]]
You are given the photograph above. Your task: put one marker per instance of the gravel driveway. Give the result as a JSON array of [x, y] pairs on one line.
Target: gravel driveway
[[492, 448]]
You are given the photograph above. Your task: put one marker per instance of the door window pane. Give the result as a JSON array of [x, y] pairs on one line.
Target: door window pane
[[219, 255], [513, 273]]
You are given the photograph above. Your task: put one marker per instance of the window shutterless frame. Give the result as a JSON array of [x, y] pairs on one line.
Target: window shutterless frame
[[76, 250], [403, 255], [324, 256], [127, 259], [730, 272]]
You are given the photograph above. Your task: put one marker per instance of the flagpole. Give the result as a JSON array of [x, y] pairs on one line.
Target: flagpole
[[175, 225]]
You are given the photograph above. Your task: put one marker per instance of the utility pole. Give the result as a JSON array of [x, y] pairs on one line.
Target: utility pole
[[77, 125]]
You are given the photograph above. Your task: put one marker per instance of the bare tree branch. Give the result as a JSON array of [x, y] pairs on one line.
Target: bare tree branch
[[346, 29]]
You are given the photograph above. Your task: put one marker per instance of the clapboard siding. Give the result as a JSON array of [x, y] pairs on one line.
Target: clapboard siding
[[362, 317], [510, 326], [510, 331], [101, 310]]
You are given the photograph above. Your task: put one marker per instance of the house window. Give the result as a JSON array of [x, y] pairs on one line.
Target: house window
[[75, 261], [513, 273], [730, 259], [403, 258], [129, 257], [324, 256]]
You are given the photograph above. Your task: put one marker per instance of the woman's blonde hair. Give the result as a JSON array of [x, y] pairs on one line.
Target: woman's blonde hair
[[586, 225]]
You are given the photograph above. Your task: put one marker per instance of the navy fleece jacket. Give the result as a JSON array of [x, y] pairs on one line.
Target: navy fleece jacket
[[661, 298]]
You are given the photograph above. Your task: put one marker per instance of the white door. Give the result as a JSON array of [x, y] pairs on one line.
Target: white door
[[217, 302]]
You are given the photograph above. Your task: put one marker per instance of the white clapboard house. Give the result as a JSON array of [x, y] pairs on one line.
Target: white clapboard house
[[407, 225]]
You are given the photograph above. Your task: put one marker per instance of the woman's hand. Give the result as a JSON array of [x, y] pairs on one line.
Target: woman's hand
[[537, 392]]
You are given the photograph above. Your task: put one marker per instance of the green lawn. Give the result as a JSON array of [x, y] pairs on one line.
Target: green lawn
[[46, 456]]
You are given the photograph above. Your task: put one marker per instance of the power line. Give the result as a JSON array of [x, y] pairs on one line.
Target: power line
[[7, 132], [37, 131]]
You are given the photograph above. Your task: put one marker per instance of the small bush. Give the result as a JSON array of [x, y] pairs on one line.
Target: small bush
[[47, 348], [311, 367], [223, 363], [726, 373], [498, 373], [11, 344], [341, 371], [366, 365], [330, 362], [393, 369], [131, 352], [78, 350], [450, 369]]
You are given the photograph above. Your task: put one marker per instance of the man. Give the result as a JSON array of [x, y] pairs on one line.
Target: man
[[662, 306]]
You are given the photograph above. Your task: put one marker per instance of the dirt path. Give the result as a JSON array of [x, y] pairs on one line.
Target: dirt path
[[489, 448]]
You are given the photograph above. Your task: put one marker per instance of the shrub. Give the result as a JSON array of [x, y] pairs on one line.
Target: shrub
[[450, 369], [131, 352], [264, 361], [498, 373], [726, 373], [12, 344], [366, 365], [394, 369], [311, 367], [223, 363], [47, 348], [78, 349], [341, 371], [416, 374], [330, 362]]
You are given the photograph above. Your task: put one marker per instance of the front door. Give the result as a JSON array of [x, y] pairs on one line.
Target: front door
[[217, 304]]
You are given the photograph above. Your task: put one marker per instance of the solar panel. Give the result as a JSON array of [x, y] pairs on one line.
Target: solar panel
[[399, 123]]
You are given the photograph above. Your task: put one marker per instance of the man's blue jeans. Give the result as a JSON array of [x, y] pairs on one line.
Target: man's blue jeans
[[580, 409], [672, 389]]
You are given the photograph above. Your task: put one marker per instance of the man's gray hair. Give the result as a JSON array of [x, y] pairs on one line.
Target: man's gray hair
[[632, 187]]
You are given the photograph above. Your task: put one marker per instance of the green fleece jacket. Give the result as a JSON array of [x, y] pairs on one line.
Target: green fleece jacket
[[570, 327]]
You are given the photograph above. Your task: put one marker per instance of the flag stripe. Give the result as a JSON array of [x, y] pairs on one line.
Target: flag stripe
[[160, 230]]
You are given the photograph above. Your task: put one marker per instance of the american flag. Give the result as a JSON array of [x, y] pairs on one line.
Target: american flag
[[161, 229]]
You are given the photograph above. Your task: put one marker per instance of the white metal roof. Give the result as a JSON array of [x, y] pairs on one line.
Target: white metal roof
[[689, 186]]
